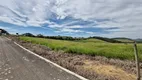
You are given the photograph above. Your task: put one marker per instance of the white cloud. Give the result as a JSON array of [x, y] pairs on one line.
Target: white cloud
[[11, 21], [70, 30], [2, 27], [92, 33], [32, 12], [124, 14]]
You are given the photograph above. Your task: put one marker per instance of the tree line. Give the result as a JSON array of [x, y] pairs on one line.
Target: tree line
[[71, 38], [54, 37]]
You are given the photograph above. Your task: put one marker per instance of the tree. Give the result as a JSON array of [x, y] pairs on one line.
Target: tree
[[40, 36], [2, 31], [17, 34], [28, 34]]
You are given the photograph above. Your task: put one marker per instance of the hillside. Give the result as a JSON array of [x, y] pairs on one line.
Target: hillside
[[69, 38], [138, 40], [92, 40], [126, 40], [105, 39]]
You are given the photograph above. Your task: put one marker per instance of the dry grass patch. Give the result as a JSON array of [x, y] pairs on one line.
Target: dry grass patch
[[109, 71]]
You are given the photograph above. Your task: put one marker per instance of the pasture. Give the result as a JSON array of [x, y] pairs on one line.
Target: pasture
[[89, 47]]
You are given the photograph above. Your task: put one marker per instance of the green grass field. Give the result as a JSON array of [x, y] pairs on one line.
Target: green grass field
[[89, 47]]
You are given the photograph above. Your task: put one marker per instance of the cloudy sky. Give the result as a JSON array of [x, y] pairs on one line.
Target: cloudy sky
[[109, 18]]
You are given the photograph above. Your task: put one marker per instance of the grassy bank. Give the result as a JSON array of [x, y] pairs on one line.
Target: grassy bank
[[89, 47]]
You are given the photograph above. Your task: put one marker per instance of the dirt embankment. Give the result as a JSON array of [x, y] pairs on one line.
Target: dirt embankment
[[91, 67]]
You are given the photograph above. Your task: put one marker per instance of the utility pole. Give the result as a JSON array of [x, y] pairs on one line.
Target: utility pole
[[137, 60]]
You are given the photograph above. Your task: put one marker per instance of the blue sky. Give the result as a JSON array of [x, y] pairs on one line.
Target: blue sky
[[78, 18]]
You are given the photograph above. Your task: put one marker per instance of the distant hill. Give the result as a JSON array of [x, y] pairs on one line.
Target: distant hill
[[96, 39], [124, 39], [138, 40], [92, 40], [105, 39]]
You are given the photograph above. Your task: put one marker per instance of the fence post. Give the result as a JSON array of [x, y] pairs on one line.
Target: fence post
[[137, 60]]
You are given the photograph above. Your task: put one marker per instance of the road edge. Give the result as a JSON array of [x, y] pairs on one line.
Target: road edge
[[49, 61]]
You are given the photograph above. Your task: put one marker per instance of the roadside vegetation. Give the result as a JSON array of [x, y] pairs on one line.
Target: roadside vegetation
[[89, 46]]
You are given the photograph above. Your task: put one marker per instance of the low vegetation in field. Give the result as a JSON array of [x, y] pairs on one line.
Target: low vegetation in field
[[90, 47]]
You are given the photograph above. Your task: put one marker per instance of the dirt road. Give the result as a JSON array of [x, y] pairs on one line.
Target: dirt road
[[18, 64]]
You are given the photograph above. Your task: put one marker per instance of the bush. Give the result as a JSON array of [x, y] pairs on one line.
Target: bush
[[28, 34]]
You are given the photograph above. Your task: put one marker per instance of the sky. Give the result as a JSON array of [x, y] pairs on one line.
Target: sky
[[77, 18]]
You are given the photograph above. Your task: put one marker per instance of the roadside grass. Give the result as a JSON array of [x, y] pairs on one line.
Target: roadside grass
[[89, 47]]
